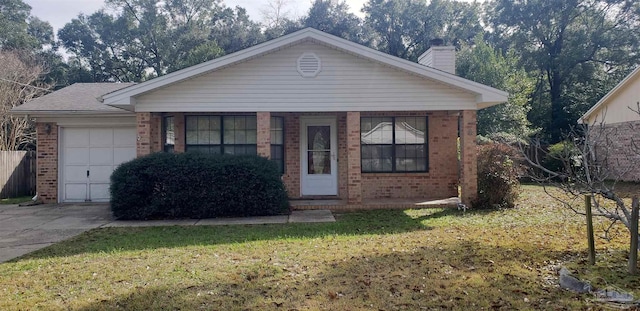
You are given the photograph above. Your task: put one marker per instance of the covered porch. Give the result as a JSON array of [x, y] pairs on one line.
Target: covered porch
[[321, 154]]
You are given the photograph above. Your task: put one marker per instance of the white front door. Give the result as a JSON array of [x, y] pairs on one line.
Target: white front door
[[319, 156], [89, 156]]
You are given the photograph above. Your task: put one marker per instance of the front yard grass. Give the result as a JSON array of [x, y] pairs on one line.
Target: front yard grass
[[373, 260], [17, 200]]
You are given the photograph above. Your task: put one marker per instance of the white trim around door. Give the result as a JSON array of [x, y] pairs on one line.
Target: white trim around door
[[318, 156]]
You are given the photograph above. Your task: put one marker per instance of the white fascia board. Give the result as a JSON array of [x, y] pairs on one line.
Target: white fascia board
[[118, 98], [267, 108], [488, 100], [587, 115], [71, 113], [89, 121]]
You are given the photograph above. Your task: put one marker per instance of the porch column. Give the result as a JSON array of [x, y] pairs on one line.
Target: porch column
[[264, 134], [143, 139], [468, 158], [47, 162], [155, 125], [180, 132], [354, 173]]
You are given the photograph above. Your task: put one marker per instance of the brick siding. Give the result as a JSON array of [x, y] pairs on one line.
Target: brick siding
[[149, 132], [469, 161], [441, 181], [47, 162], [263, 135], [618, 147], [354, 175], [442, 178]]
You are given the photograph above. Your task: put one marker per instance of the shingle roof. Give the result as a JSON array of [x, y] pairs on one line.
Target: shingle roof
[[76, 97]]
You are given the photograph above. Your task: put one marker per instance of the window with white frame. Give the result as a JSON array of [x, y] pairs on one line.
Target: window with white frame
[[394, 144], [221, 134]]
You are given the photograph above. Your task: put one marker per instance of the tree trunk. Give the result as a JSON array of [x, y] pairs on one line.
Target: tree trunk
[[590, 235], [559, 122], [633, 229]]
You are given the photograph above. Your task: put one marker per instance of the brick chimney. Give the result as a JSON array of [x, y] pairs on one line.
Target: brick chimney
[[439, 57]]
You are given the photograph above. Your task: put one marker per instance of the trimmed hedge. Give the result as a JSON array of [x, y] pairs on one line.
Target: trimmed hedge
[[196, 185]]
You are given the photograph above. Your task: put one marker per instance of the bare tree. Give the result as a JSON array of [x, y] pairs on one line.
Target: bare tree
[[275, 13], [593, 160], [20, 81]]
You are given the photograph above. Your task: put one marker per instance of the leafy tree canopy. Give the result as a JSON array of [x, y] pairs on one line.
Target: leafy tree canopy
[[571, 45], [21, 31], [481, 63]]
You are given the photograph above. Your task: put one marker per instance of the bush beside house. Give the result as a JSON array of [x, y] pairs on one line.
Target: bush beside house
[[498, 173], [194, 185]]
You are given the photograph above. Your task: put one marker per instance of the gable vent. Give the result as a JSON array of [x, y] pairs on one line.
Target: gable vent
[[309, 65]]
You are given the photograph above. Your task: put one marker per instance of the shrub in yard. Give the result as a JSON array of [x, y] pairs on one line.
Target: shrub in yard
[[559, 157], [498, 172], [196, 185]]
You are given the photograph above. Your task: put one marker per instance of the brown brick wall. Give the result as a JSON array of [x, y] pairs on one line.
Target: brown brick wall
[[440, 182], [180, 132], [618, 146], [263, 124], [47, 162], [149, 128], [157, 144], [354, 175], [143, 144], [469, 162], [442, 178]]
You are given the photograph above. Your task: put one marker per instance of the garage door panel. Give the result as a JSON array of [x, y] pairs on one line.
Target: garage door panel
[[121, 155], [101, 156], [101, 137], [100, 173], [73, 137], [75, 174], [99, 150], [99, 192], [76, 156], [75, 192], [124, 138]]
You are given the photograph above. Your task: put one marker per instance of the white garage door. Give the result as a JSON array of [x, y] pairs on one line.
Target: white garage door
[[89, 156]]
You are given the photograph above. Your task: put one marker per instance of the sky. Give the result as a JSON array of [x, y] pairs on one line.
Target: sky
[[60, 12]]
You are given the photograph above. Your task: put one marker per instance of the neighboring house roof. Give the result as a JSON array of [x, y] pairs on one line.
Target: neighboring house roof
[[604, 102], [485, 96], [77, 98]]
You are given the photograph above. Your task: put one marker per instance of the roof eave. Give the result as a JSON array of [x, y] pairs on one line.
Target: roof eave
[[44, 113]]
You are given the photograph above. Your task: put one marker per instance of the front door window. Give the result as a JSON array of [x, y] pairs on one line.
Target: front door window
[[319, 150], [318, 156]]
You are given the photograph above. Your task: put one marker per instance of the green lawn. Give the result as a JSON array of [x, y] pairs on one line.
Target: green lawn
[[17, 200], [375, 260]]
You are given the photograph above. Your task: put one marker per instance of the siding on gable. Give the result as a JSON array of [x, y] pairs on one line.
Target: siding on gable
[[272, 83], [616, 110]]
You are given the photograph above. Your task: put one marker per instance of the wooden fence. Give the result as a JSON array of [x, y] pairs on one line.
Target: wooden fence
[[17, 173]]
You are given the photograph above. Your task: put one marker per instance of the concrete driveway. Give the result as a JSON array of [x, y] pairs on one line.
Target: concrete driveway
[[24, 229]]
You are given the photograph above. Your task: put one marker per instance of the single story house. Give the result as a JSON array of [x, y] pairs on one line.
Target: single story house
[[614, 123], [343, 121]]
